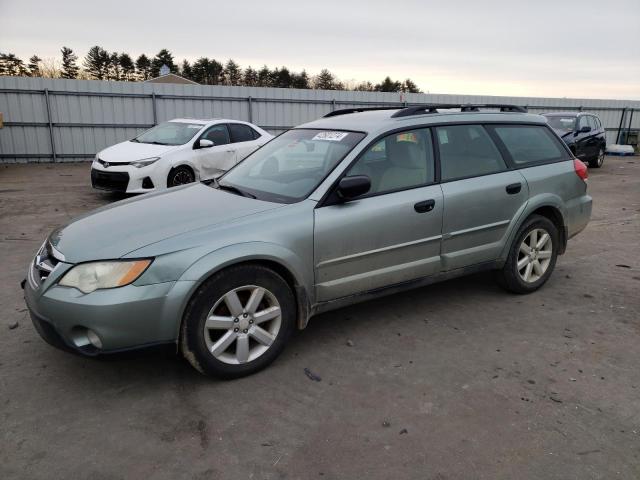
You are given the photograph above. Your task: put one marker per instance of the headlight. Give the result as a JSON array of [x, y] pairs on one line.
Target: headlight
[[88, 277], [144, 162]]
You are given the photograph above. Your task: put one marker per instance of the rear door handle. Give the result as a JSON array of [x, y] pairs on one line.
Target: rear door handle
[[514, 188], [426, 206]]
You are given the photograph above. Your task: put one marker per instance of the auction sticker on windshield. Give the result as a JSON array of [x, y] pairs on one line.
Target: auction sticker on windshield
[[330, 136]]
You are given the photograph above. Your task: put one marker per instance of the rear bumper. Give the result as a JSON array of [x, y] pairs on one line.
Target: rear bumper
[[578, 214]]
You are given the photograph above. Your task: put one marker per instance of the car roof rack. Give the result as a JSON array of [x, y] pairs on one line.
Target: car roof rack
[[464, 107], [345, 111]]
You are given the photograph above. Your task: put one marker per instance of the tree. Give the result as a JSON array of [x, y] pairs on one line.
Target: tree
[[365, 87], [410, 87], [388, 85], [250, 78], [281, 78], [326, 81], [96, 63], [69, 67], [207, 71], [300, 80], [34, 66], [12, 65], [127, 68], [185, 70], [143, 67], [232, 73], [264, 77], [163, 57]]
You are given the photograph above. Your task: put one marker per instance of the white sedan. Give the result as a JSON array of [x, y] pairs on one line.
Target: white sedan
[[174, 153]]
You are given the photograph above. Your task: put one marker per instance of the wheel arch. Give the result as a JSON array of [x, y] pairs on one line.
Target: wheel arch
[[287, 266], [189, 165]]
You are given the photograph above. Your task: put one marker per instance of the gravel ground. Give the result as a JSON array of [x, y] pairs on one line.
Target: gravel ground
[[455, 381]]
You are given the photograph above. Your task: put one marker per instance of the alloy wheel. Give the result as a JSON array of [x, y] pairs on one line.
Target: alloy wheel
[[534, 255], [242, 325], [600, 160], [182, 177]]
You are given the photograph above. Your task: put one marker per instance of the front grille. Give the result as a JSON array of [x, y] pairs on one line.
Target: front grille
[[43, 264], [114, 181]]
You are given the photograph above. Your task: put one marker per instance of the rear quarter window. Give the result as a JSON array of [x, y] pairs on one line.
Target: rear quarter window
[[530, 144]]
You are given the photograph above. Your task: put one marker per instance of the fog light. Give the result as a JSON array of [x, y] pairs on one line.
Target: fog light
[[147, 183]]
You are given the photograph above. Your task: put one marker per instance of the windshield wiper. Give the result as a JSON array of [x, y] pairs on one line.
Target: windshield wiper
[[135, 140], [236, 190]]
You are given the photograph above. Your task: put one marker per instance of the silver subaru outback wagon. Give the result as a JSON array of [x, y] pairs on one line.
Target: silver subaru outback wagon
[[358, 204]]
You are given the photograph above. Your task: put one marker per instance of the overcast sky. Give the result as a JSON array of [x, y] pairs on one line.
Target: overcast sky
[[568, 48]]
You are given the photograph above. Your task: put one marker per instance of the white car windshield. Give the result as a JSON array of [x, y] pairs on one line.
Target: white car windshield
[[291, 166], [169, 133]]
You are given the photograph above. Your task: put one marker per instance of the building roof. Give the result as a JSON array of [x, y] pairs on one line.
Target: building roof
[[171, 78]]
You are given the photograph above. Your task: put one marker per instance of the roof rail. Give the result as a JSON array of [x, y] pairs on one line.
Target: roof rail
[[468, 107], [345, 111]]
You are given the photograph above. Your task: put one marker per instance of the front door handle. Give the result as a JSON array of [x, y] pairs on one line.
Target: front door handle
[[514, 188], [426, 206]]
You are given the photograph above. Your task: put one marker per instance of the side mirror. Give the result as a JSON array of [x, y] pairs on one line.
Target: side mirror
[[352, 187], [204, 143], [585, 129]]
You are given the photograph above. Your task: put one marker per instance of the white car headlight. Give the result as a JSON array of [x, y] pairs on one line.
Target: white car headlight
[[88, 277], [144, 162]]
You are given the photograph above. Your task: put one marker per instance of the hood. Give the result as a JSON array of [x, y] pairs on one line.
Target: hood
[[117, 229], [131, 151]]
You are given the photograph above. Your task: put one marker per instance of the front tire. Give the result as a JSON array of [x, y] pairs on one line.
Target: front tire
[[238, 321], [180, 176], [532, 256], [599, 160]]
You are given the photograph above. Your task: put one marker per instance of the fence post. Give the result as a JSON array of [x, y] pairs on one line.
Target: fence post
[[624, 110], [53, 143], [155, 112], [249, 99], [626, 140], [333, 105]]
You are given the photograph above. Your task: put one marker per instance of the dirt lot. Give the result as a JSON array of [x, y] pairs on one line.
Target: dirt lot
[[455, 381]]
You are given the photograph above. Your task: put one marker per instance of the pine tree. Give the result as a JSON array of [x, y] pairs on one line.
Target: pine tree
[[232, 73], [207, 71], [365, 87], [410, 87], [300, 80], [250, 78], [163, 57], [143, 67], [264, 77], [34, 66], [127, 68], [96, 63], [12, 65], [186, 70], [326, 81], [69, 67], [388, 85], [281, 78], [114, 67]]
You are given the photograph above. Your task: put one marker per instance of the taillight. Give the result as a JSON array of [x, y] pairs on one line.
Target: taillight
[[581, 169]]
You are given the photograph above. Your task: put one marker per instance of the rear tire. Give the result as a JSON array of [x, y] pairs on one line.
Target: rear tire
[[599, 160], [181, 175], [532, 256], [238, 321]]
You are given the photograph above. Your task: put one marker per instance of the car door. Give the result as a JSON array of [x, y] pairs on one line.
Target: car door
[[481, 195], [584, 140], [389, 235], [217, 159], [243, 140]]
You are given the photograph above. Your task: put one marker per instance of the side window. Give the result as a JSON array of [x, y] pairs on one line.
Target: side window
[[218, 134], [398, 161], [529, 144], [240, 132], [467, 151], [598, 124], [583, 122], [591, 121], [255, 134]]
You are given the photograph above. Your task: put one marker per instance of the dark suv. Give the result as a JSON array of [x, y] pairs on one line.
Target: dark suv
[[583, 133]]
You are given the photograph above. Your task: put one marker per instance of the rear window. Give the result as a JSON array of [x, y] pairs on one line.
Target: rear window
[[467, 151], [241, 133], [530, 144]]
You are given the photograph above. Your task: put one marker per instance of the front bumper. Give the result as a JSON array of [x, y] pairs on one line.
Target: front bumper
[[128, 179], [123, 318]]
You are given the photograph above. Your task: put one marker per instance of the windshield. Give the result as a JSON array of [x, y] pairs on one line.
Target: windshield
[[566, 124], [291, 166], [169, 133]]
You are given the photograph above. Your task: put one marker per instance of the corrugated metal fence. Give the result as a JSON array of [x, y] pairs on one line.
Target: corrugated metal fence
[[69, 120]]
